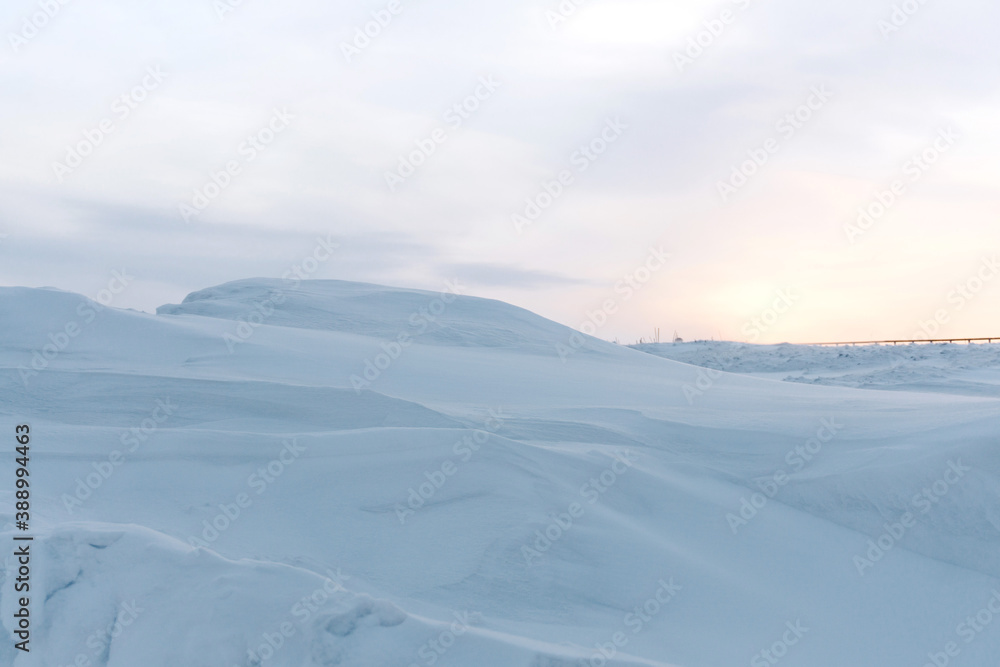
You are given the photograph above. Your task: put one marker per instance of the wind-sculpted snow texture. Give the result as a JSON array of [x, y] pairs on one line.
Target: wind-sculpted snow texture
[[327, 473], [940, 367]]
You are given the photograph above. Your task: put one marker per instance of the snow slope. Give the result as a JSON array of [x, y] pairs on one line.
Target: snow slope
[[940, 367], [329, 473]]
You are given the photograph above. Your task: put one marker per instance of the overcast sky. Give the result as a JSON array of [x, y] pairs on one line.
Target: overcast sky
[[117, 116]]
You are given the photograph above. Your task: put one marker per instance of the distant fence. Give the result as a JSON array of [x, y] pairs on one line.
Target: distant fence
[[922, 340]]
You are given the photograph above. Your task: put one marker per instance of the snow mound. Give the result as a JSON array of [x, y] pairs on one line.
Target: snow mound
[[942, 367], [447, 318], [116, 593], [481, 498], [124, 595]]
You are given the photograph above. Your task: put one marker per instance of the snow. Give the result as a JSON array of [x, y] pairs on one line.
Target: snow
[[305, 420], [940, 367]]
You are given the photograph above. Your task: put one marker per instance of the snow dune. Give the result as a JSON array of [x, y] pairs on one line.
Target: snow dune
[[331, 473], [941, 367]]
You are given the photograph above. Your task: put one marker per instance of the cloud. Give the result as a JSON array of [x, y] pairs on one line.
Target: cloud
[[502, 275], [353, 121]]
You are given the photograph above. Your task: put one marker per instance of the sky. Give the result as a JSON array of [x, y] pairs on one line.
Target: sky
[[745, 170]]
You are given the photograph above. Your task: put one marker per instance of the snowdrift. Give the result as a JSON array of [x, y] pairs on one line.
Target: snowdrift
[[941, 367], [330, 473]]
